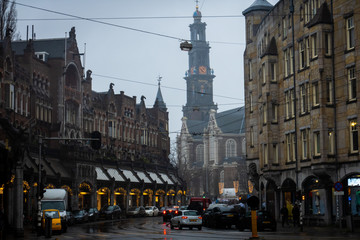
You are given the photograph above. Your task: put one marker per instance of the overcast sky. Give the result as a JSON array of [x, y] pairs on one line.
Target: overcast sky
[[133, 60]]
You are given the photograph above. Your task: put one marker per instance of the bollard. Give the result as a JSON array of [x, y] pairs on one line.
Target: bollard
[[48, 227]]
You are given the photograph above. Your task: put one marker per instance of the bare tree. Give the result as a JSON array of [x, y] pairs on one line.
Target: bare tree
[[8, 18]]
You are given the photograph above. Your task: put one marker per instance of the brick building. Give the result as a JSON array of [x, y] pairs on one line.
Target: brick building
[[302, 106], [47, 97]]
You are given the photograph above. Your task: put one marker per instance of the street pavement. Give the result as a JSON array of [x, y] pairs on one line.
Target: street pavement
[[286, 232]]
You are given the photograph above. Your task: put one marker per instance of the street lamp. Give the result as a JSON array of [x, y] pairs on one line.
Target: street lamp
[[185, 46]]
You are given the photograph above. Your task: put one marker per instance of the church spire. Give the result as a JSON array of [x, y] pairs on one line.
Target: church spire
[[159, 101]]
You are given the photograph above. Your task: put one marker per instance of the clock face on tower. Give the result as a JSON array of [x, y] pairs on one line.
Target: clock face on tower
[[202, 70]]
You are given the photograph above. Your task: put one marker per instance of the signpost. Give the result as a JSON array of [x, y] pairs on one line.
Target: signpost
[[338, 186]]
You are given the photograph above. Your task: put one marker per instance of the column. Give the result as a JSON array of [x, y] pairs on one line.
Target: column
[[19, 200]]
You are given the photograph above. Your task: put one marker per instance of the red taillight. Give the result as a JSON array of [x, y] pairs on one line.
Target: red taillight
[[170, 210], [164, 212], [199, 217], [204, 209], [184, 217], [176, 212]]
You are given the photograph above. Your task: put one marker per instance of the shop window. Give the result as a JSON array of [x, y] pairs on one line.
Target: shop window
[[317, 204]]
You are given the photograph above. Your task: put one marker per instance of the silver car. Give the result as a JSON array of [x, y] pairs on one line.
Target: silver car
[[151, 211], [186, 218]]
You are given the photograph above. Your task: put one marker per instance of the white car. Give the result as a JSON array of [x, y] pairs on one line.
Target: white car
[[186, 218], [151, 211]]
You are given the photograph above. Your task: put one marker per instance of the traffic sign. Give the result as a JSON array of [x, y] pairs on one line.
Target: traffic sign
[[338, 186]]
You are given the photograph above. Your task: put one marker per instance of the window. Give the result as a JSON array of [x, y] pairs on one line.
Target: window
[[287, 104], [292, 102], [200, 153], [354, 137], [285, 29], [306, 12], [230, 148], [315, 94], [263, 73], [251, 102], [350, 35], [273, 71], [329, 91], [265, 114], [302, 55], [314, 52], [352, 83], [250, 71], [290, 147], [11, 97], [317, 144], [327, 44], [274, 111], [331, 138], [305, 144], [307, 51], [304, 98], [265, 154], [251, 136], [288, 62]]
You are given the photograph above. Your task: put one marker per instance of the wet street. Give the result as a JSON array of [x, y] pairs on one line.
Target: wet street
[[154, 228]]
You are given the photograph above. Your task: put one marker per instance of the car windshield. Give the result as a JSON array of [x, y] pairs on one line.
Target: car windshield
[[52, 214], [190, 213], [110, 208], [133, 209], [148, 208]]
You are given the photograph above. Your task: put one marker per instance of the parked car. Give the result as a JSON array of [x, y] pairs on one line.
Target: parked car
[[264, 221], [222, 216], [186, 218], [93, 214], [169, 213], [112, 212], [151, 211], [136, 212], [81, 216], [205, 217], [54, 214], [70, 220]]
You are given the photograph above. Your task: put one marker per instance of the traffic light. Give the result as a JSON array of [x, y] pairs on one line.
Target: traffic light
[[96, 142]]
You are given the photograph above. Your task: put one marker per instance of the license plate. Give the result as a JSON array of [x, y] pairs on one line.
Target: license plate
[[266, 221], [230, 215], [193, 220]]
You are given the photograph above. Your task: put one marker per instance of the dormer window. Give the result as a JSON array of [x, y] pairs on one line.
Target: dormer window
[[43, 56]]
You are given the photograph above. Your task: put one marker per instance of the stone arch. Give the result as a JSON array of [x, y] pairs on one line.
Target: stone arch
[[288, 189], [160, 198], [85, 190], [134, 197], [120, 197], [72, 77], [171, 197], [102, 197], [271, 190]]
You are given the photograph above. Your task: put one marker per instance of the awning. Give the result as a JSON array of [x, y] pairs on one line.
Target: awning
[[155, 177], [115, 174], [175, 178], [130, 175], [166, 178], [58, 167], [100, 174], [142, 176]]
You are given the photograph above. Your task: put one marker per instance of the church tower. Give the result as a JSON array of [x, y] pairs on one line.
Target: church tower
[[199, 77]]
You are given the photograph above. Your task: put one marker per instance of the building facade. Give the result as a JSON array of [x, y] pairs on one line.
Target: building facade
[[302, 106], [48, 113], [211, 145]]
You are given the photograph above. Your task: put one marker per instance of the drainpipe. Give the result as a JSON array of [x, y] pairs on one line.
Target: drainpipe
[[293, 62]]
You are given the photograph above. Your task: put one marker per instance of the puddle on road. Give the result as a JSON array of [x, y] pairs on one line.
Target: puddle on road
[[103, 227]]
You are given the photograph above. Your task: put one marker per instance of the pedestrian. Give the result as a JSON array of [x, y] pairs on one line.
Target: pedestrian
[[284, 216], [296, 215]]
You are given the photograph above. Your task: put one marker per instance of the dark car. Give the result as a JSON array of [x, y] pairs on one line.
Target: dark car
[[264, 221], [81, 216], [161, 211], [70, 220], [222, 216], [112, 212], [93, 214], [205, 217], [136, 212], [169, 213]]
